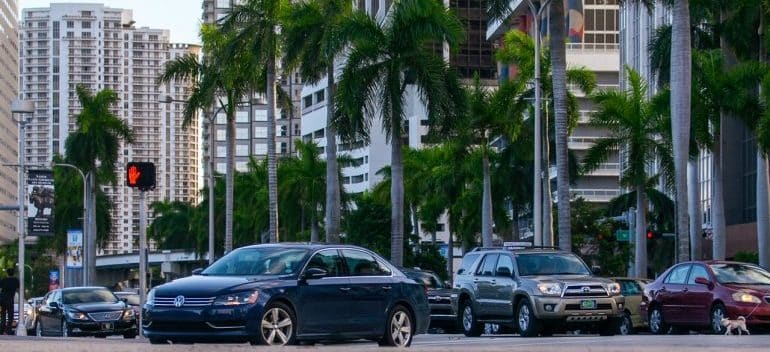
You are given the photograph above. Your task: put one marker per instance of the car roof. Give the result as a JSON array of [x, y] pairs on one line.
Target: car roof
[[306, 245], [518, 250], [79, 288]]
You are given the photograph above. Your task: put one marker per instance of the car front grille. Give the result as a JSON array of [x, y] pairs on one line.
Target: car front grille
[[188, 301], [585, 291], [106, 316], [600, 306], [439, 300]]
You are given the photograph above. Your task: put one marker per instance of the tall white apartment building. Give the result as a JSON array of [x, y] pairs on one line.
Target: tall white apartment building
[[66, 45], [9, 85]]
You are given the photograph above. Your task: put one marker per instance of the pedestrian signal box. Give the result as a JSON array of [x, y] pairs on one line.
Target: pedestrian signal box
[[140, 175]]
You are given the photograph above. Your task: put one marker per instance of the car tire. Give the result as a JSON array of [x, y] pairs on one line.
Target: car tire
[[129, 336], [716, 315], [468, 321], [610, 327], [626, 326], [277, 325], [400, 328], [656, 323], [526, 321]]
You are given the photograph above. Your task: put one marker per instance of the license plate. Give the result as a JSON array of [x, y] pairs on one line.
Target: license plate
[[107, 326], [587, 304]]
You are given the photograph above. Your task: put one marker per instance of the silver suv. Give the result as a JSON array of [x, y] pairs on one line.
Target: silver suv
[[535, 291]]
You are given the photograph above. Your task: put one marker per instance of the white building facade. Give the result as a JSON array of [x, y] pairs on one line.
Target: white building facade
[[9, 85]]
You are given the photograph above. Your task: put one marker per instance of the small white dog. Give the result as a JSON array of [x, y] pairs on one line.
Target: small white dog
[[737, 324]]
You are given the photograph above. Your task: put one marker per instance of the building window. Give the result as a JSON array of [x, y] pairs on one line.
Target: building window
[[307, 101], [242, 150], [260, 132], [221, 118], [260, 115], [221, 168], [318, 133], [221, 151], [86, 25], [260, 148], [70, 24], [320, 96], [281, 131], [242, 117], [241, 166], [242, 133], [221, 135]]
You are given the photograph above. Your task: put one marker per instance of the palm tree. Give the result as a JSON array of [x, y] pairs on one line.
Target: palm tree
[[635, 124], [303, 181], [93, 147], [174, 225], [385, 60], [221, 78], [312, 43], [256, 24]]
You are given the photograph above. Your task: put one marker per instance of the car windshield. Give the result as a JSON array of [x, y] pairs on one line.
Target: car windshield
[[259, 261], [736, 273], [532, 264], [427, 279], [130, 299], [88, 296]]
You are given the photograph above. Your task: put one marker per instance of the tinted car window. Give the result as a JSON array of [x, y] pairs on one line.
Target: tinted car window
[[427, 279], [467, 262], [328, 260], [505, 261], [487, 267], [360, 263], [550, 264], [696, 272], [259, 261], [735, 273], [629, 288], [89, 296], [678, 275]]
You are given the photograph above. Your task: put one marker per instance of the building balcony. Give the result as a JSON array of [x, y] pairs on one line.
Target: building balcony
[[595, 195], [606, 169], [581, 143]]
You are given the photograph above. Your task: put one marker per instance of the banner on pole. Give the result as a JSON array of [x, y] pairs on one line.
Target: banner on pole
[[74, 249], [40, 202], [53, 280]]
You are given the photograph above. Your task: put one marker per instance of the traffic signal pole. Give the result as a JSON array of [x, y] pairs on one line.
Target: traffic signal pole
[[142, 255]]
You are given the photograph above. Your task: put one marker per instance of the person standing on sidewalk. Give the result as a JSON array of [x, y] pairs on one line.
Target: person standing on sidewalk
[[8, 288]]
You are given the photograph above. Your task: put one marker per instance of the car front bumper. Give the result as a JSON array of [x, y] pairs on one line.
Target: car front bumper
[[201, 324], [91, 328], [755, 315], [569, 309]]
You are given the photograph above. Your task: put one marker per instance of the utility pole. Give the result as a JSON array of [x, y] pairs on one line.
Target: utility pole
[[22, 107], [141, 175]]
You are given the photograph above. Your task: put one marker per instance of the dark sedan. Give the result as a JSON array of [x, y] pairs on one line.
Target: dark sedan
[[278, 294], [700, 294], [84, 311], [443, 316]]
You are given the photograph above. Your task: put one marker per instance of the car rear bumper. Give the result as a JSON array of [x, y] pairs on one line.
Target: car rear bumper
[[569, 309]]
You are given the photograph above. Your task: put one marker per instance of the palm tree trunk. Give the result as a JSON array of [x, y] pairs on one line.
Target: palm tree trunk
[[272, 176], [763, 211], [92, 234], [717, 201], [450, 251], [681, 70], [515, 236], [332, 180], [396, 193], [547, 193], [559, 72], [314, 229], [693, 191], [415, 221], [486, 203], [640, 246], [230, 177]]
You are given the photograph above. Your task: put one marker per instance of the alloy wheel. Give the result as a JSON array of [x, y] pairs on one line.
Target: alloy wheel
[[625, 325], [524, 317], [277, 327], [656, 321], [468, 318], [401, 329], [717, 314]]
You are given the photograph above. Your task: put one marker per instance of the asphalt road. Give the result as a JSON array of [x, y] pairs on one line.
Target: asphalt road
[[571, 343]]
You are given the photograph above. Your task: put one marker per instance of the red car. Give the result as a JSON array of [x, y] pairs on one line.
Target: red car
[[699, 294]]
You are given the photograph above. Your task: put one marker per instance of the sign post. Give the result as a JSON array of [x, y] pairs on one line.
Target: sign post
[[141, 175]]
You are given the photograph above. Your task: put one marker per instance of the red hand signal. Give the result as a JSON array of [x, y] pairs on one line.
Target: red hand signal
[[133, 175]]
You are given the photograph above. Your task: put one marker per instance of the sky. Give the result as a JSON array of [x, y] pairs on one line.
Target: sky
[[181, 17]]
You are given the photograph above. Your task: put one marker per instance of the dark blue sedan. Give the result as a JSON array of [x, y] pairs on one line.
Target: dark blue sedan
[[278, 294]]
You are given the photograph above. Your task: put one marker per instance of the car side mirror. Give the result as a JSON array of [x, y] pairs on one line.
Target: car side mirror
[[704, 281], [505, 272], [124, 300], [596, 270], [460, 271], [54, 305], [314, 274], [197, 271]]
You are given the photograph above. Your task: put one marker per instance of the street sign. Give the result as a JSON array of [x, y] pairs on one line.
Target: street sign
[[623, 235]]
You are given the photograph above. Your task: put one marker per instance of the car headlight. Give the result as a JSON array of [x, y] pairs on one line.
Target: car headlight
[[128, 314], [613, 289], [746, 297], [550, 289], [150, 298], [77, 316], [236, 299]]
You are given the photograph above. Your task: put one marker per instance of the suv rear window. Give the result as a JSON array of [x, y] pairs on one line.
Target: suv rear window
[[465, 265]]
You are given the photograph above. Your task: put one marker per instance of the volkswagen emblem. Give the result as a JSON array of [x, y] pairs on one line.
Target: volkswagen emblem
[[178, 301], [586, 289]]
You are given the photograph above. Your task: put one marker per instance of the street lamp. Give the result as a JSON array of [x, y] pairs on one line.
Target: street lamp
[[22, 107], [85, 217]]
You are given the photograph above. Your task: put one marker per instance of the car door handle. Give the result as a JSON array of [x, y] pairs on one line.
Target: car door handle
[[344, 289], [387, 288]]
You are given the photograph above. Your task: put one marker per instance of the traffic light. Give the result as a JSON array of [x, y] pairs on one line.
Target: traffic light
[[651, 234], [140, 175]]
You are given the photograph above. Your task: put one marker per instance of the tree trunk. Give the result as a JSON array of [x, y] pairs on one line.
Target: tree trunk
[[696, 216], [559, 72], [717, 201], [515, 235], [90, 242], [547, 193], [396, 193], [230, 175], [486, 203], [763, 212], [314, 229], [332, 179], [450, 249], [272, 176], [414, 220], [681, 69], [640, 245]]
